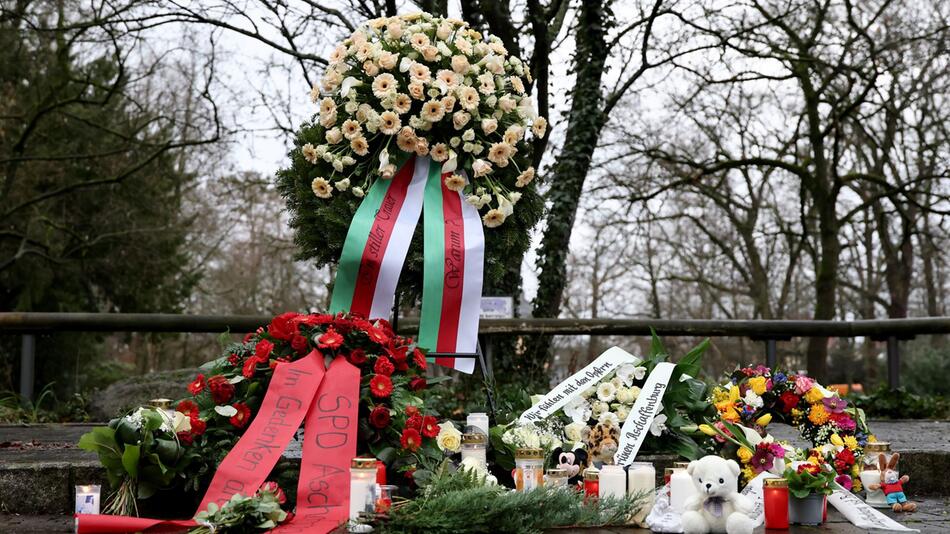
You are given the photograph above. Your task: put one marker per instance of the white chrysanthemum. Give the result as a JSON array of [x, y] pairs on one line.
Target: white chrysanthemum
[[622, 413], [599, 407], [625, 395], [525, 177], [752, 399], [606, 391], [609, 418], [616, 381]]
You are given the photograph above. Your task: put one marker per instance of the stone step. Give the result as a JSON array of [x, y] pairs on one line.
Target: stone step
[[40, 465]]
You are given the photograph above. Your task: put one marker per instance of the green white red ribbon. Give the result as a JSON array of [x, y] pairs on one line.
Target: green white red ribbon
[[454, 244]]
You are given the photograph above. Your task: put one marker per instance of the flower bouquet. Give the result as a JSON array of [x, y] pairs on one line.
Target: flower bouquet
[[808, 485], [423, 86], [755, 396], [148, 450]]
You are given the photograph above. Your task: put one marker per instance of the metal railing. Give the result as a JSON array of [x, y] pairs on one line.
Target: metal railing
[[769, 331]]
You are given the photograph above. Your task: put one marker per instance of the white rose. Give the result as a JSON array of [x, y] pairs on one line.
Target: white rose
[[449, 438], [598, 408], [574, 431]]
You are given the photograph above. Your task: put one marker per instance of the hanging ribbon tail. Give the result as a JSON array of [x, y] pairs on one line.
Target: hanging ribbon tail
[[377, 242], [454, 256], [288, 398], [330, 435], [645, 409], [117, 524]]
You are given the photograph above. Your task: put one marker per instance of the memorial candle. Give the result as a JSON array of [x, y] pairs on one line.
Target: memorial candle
[[591, 483], [775, 501], [641, 479], [681, 488], [477, 420], [613, 482], [871, 474], [362, 486]]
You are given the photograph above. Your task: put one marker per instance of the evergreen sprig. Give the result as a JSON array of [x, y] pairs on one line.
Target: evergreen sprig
[[458, 502]]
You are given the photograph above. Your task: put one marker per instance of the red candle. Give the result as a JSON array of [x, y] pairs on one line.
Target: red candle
[[775, 493], [591, 484], [380, 472], [824, 509]]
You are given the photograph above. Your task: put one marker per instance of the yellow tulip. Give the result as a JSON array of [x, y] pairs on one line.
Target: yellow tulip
[[757, 384], [708, 430], [744, 454], [837, 441], [764, 420], [734, 393]]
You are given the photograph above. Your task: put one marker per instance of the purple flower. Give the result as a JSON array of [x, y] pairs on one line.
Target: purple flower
[[844, 481], [777, 450], [763, 459], [834, 404]]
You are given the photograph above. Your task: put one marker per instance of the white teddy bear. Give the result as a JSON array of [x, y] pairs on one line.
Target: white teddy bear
[[717, 506]]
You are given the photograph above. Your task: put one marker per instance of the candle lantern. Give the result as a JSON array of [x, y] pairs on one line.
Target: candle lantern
[[384, 499], [362, 487], [555, 478], [641, 479], [87, 499], [529, 469], [591, 483], [775, 501], [475, 446], [477, 420], [681, 486], [613, 482], [871, 474]]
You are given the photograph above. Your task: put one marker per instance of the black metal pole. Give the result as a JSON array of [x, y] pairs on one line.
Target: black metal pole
[[27, 368], [893, 362], [771, 354]]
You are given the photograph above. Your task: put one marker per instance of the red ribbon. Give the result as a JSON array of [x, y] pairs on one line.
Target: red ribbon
[[329, 400]]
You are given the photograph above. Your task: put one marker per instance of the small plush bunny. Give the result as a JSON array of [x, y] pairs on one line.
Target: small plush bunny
[[893, 484]]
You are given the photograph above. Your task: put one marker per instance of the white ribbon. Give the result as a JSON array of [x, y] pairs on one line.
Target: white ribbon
[[572, 388], [753, 490], [648, 404], [863, 516]]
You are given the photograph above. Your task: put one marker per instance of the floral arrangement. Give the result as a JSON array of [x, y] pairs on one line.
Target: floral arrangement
[[610, 401], [429, 86], [755, 396], [426, 86], [190, 441], [261, 512], [809, 477]]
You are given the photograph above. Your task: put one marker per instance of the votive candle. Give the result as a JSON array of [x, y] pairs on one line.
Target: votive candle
[[775, 501], [613, 482], [641, 479]]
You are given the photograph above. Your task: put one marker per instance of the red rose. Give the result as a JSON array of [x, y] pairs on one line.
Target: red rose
[[221, 389], [330, 339], [197, 386], [299, 343], [233, 359], [272, 487], [380, 386], [410, 440], [379, 417], [789, 401], [357, 356], [411, 410], [384, 366], [397, 353], [243, 415], [185, 438], [197, 425], [846, 456], [415, 421], [263, 349], [188, 407], [417, 383], [430, 426], [402, 366], [284, 326], [419, 359]]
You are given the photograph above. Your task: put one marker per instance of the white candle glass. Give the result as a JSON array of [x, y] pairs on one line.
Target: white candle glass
[[681, 489], [362, 487], [474, 446], [641, 479], [613, 482], [477, 420], [872, 475], [87, 499]]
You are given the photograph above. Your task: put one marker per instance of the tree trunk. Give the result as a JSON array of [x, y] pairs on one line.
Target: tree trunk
[[567, 181], [826, 286]]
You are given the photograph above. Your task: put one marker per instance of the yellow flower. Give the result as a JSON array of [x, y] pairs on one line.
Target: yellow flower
[[748, 473], [856, 485], [731, 415], [757, 383], [872, 438], [837, 441], [708, 430], [725, 405], [814, 395], [764, 420], [719, 394], [734, 393], [817, 414], [744, 454], [851, 443]]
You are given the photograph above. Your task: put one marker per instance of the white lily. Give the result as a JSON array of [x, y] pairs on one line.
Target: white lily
[[348, 84]]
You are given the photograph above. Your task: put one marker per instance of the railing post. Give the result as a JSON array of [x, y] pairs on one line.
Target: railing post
[[771, 353], [27, 367], [893, 362]]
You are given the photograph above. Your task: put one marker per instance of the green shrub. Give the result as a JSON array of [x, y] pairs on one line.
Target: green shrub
[[884, 403]]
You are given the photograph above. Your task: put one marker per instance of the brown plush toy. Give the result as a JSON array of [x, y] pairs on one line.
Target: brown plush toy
[[893, 484], [602, 442]]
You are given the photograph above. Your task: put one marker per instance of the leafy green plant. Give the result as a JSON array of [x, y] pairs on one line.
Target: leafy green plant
[[809, 478], [241, 515], [141, 454], [884, 402]]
